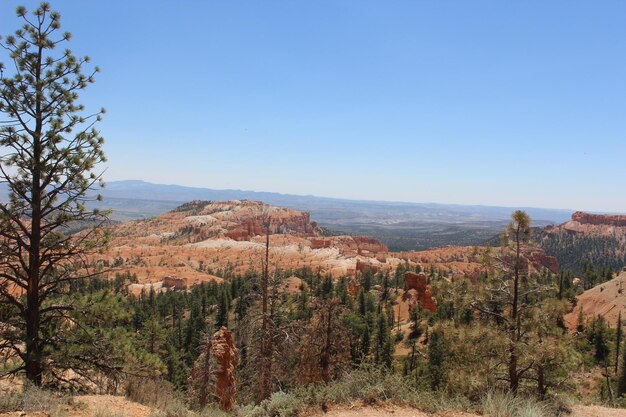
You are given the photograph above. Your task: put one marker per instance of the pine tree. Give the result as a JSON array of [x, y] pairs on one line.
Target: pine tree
[[323, 353], [362, 302], [436, 358], [385, 293], [221, 320], [153, 335], [50, 151], [194, 332], [367, 279], [618, 340], [621, 383], [506, 299], [600, 340], [580, 326], [383, 353]]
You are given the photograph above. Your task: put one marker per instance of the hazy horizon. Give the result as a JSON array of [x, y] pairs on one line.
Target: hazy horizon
[[355, 199], [478, 103]]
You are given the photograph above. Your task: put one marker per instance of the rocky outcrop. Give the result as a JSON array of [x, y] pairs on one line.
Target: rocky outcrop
[[225, 354], [297, 223], [201, 237], [359, 246], [417, 290], [618, 220], [365, 266], [175, 283], [538, 260], [368, 245], [321, 243]]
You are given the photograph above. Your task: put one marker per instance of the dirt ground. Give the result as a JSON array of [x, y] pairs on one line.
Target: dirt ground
[[388, 411], [392, 411], [595, 411], [93, 406], [114, 406]]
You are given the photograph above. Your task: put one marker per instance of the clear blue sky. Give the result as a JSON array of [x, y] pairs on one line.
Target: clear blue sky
[[480, 102]]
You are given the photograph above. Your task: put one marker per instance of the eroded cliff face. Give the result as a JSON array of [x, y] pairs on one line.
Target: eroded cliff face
[[592, 225], [200, 240], [417, 291], [536, 260], [599, 239], [618, 220], [225, 354]]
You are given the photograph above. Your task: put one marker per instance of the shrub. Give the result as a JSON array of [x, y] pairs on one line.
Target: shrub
[[152, 392], [504, 404], [102, 412], [33, 399]]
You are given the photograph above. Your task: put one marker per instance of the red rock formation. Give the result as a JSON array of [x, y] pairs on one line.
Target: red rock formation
[[367, 245], [416, 288], [618, 220], [174, 282], [320, 243], [364, 266], [225, 353], [538, 260]]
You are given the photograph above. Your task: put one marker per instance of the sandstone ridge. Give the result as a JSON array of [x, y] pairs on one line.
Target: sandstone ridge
[[202, 241], [618, 220]]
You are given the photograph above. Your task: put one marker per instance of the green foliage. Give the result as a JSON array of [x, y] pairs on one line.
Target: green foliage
[[621, 382], [577, 252], [383, 348], [51, 152], [437, 359], [598, 335]]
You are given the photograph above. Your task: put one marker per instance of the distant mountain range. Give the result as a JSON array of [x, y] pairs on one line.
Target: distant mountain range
[[401, 225], [136, 199]]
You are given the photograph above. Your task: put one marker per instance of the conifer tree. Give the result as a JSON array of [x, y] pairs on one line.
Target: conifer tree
[[50, 154], [367, 279], [222, 311], [436, 358], [506, 301], [618, 340], [384, 345], [580, 324], [621, 383]]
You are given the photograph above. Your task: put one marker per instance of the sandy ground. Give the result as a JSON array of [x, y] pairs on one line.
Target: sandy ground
[[607, 299], [95, 405], [392, 411], [114, 405], [388, 411], [595, 411]]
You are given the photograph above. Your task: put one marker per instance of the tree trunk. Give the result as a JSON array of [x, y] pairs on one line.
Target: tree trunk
[[325, 356], [541, 383], [513, 377], [515, 320], [34, 362], [265, 374]]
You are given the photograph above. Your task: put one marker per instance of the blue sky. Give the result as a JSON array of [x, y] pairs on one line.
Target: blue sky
[[474, 102]]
